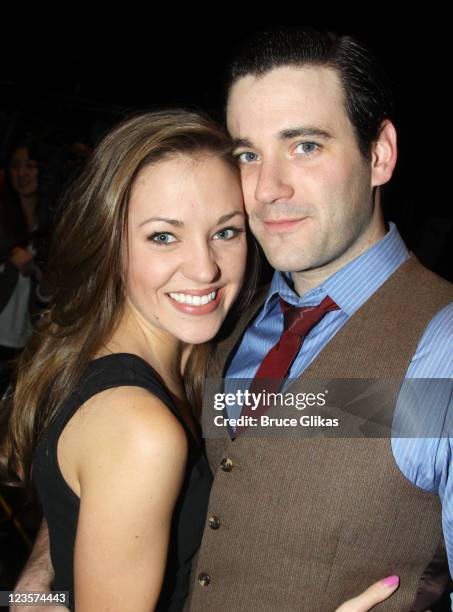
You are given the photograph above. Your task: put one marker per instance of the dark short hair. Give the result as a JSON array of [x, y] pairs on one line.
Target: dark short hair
[[367, 98]]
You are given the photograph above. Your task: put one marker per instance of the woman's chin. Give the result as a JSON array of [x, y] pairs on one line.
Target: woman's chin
[[200, 336]]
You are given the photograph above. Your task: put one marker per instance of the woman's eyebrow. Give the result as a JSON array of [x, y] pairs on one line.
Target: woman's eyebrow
[[173, 222], [241, 142], [229, 216], [177, 223]]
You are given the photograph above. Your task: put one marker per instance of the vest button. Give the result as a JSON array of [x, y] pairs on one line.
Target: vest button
[[214, 522], [226, 464], [204, 579]]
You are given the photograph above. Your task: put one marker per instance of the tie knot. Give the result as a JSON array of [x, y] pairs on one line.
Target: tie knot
[[300, 320]]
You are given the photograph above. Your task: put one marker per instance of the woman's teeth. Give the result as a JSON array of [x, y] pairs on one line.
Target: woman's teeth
[[193, 300]]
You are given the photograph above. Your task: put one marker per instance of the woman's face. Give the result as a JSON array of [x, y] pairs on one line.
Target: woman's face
[[24, 172], [186, 245]]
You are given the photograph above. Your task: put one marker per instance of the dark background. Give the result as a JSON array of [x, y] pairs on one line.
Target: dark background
[[69, 73], [75, 71]]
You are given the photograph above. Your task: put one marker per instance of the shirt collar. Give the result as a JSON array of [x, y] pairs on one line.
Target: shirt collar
[[350, 286]]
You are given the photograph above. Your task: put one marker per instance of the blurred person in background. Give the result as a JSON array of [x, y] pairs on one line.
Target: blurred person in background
[[23, 229]]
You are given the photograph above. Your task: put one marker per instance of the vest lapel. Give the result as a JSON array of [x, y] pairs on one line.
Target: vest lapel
[[227, 346], [216, 447]]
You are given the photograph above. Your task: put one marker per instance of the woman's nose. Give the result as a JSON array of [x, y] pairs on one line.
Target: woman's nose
[[201, 265]]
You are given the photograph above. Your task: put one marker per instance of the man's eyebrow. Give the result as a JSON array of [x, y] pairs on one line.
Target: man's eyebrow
[[287, 134], [303, 132]]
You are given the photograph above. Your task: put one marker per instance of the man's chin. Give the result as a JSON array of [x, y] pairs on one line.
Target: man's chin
[[288, 264]]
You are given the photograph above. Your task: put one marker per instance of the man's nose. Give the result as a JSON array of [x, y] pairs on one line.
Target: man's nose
[[201, 265], [273, 184]]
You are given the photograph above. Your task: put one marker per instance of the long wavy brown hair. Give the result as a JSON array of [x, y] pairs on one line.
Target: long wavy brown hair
[[85, 274]]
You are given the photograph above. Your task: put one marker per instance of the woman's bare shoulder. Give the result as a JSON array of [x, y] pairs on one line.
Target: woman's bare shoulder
[[126, 425]]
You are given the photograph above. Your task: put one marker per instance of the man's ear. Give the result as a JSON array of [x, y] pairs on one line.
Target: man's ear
[[383, 154]]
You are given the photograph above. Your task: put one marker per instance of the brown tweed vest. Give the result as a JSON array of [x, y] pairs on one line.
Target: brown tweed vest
[[302, 524]]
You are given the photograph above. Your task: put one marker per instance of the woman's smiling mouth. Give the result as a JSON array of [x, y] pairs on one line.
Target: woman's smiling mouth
[[196, 302]]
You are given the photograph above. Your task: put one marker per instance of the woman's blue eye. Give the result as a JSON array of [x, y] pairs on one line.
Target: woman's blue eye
[[247, 157], [227, 233], [307, 147], [162, 238]]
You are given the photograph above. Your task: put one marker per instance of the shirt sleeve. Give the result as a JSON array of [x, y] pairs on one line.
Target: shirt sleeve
[[425, 459]]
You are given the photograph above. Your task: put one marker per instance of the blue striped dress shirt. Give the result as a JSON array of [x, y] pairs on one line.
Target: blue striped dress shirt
[[424, 461]]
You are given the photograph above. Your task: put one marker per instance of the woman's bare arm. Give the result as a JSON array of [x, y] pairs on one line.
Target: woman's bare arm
[[131, 467]]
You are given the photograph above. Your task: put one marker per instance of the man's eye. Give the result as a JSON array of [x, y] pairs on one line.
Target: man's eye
[[227, 233], [247, 157], [162, 238], [306, 148]]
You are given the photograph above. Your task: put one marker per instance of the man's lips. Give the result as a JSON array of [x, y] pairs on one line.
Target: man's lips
[[282, 225]]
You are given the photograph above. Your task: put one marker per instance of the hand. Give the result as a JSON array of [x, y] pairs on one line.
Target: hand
[[377, 592], [23, 260]]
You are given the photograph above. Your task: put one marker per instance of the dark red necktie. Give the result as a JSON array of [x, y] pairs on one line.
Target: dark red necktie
[[276, 365]]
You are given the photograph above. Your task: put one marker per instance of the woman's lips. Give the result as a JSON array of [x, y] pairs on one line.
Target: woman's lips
[[196, 296]]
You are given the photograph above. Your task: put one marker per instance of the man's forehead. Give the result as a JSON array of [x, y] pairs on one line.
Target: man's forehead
[[285, 96]]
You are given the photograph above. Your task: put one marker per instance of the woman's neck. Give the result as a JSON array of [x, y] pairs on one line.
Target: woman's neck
[[165, 353]]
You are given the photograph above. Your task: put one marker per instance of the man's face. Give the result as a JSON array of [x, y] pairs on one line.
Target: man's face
[[307, 188]]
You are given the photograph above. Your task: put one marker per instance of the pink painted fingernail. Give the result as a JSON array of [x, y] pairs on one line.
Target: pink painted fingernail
[[391, 581]]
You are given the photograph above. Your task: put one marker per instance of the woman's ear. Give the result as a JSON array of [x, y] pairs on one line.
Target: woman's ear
[[384, 154]]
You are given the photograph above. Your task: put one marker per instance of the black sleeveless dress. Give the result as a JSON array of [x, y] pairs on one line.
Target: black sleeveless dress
[[61, 504]]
